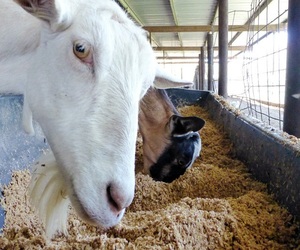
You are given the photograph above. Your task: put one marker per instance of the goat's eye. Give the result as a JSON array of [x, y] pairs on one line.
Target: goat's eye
[[180, 162], [81, 49]]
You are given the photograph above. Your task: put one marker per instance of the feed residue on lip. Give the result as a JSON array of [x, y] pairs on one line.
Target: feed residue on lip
[[214, 205]]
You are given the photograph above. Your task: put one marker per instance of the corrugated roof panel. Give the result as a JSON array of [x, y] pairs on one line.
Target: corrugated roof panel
[[193, 38], [154, 12], [193, 12]]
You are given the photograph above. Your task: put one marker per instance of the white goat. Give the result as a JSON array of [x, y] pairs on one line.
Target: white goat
[[82, 66]]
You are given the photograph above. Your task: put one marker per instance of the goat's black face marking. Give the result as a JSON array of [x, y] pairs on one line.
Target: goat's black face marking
[[176, 158]]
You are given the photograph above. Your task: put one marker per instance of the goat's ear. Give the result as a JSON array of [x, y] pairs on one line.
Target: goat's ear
[[56, 13], [164, 80], [181, 125]]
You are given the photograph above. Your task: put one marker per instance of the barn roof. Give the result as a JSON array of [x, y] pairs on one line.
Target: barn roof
[[178, 28]]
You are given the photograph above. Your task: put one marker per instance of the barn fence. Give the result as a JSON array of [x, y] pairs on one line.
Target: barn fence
[[257, 75], [264, 64]]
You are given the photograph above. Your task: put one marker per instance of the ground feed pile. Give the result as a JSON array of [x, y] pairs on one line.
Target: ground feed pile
[[215, 205]]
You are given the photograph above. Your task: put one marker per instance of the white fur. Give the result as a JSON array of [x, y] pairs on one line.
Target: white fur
[[49, 195], [88, 110]]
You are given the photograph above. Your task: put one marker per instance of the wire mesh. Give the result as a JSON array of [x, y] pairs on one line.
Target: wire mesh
[[264, 62]]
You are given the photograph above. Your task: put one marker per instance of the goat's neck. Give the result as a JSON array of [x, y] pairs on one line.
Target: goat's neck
[[155, 111]]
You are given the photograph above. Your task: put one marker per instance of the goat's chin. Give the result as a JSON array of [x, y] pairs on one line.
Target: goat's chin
[[103, 224], [80, 210], [104, 219]]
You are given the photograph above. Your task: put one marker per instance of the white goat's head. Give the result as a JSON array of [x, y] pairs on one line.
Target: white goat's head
[[86, 76]]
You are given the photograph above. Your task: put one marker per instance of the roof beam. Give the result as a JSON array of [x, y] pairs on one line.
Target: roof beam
[[213, 19], [184, 58], [194, 48], [208, 28], [179, 62], [174, 14], [177, 57], [175, 18]]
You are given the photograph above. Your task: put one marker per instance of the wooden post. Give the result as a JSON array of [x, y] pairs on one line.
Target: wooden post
[[210, 61], [291, 122], [223, 47]]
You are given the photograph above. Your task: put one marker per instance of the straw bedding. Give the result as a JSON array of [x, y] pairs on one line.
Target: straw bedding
[[214, 205]]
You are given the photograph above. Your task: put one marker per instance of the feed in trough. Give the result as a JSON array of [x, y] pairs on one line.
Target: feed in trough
[[214, 205]]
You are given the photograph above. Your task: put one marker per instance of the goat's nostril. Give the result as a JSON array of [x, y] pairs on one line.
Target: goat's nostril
[[119, 196], [111, 199]]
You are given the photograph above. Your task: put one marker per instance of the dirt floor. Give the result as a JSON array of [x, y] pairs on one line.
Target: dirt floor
[[214, 205]]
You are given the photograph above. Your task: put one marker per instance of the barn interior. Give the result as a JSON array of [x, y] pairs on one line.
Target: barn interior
[[243, 57]]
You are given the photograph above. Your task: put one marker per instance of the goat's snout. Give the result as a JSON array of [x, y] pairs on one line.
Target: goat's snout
[[118, 198]]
